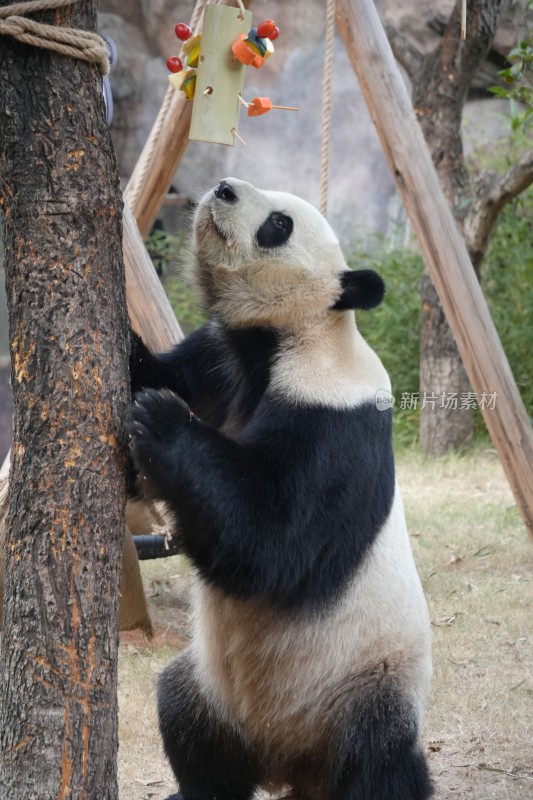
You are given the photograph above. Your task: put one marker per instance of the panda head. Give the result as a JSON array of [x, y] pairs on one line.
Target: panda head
[[269, 258]]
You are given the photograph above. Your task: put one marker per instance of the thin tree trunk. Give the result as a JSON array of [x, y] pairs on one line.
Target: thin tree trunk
[[62, 213], [439, 94], [440, 82], [443, 379], [445, 417]]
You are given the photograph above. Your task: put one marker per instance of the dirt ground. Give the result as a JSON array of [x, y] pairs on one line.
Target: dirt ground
[[476, 564]]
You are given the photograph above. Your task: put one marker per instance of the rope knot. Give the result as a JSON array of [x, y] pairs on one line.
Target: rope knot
[[13, 26], [72, 42]]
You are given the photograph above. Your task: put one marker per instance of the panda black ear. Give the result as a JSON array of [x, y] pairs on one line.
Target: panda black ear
[[361, 288]]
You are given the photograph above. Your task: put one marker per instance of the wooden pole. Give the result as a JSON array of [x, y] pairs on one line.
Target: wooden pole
[[441, 243], [150, 312], [167, 156], [145, 200]]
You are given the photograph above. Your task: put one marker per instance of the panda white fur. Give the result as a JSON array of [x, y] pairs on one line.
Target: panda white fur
[[309, 665]]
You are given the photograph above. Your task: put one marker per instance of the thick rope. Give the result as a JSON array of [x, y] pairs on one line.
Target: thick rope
[[72, 42], [326, 106], [147, 156]]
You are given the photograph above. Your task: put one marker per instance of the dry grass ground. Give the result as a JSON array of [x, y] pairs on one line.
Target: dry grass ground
[[476, 564]]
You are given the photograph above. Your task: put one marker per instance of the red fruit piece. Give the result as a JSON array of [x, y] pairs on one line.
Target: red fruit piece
[[183, 31], [174, 64], [266, 29], [274, 34]]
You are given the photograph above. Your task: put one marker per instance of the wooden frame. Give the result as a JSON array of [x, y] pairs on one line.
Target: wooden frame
[[441, 243]]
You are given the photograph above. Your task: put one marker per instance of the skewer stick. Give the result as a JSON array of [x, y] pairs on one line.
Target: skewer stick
[[241, 140], [463, 20], [283, 108]]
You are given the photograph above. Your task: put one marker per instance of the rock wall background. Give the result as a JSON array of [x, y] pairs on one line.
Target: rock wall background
[[283, 148]]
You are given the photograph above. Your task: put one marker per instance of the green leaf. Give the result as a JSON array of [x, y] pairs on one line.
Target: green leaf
[[499, 91], [514, 109]]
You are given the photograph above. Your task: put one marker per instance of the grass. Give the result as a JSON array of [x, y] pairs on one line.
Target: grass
[[476, 564]]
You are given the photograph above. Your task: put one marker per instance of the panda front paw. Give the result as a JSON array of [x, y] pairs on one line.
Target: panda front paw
[[158, 414], [157, 418]]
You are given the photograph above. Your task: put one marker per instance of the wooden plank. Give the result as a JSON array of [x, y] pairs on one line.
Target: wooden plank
[[441, 243], [150, 312], [167, 156], [220, 77], [176, 200]]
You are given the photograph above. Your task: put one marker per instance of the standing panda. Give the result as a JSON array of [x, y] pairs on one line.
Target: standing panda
[[309, 665]]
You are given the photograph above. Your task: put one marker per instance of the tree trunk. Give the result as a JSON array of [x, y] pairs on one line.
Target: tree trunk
[[440, 88], [444, 384], [62, 213]]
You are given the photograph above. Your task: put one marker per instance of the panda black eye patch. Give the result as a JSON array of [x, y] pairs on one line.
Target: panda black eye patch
[[275, 230]]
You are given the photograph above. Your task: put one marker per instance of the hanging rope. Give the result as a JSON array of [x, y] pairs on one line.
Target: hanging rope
[[147, 156], [72, 42], [326, 107]]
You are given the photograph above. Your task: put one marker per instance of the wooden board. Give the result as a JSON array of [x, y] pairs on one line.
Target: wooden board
[[220, 76], [150, 312], [171, 143]]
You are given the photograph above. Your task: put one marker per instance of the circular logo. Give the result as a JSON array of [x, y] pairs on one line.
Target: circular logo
[[384, 400]]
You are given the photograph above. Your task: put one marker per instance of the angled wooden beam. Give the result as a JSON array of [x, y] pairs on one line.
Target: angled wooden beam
[[150, 312], [441, 243]]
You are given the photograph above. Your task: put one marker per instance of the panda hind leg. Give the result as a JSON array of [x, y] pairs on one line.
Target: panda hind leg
[[379, 756], [209, 758]]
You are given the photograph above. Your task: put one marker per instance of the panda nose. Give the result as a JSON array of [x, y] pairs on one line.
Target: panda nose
[[225, 191]]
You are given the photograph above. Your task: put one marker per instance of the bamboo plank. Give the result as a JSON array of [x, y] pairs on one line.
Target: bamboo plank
[[167, 156], [220, 78]]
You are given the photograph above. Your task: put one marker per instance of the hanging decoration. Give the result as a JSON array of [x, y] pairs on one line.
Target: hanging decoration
[[210, 70]]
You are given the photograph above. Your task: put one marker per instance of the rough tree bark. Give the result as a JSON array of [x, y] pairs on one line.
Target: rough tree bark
[[62, 212], [440, 83]]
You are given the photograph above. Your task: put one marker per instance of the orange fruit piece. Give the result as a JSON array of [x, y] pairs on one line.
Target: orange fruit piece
[[258, 106], [242, 53]]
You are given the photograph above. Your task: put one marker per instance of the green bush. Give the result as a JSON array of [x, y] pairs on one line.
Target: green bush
[[507, 281], [393, 328], [183, 301]]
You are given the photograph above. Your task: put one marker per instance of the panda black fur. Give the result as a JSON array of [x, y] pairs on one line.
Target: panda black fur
[[310, 664]]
